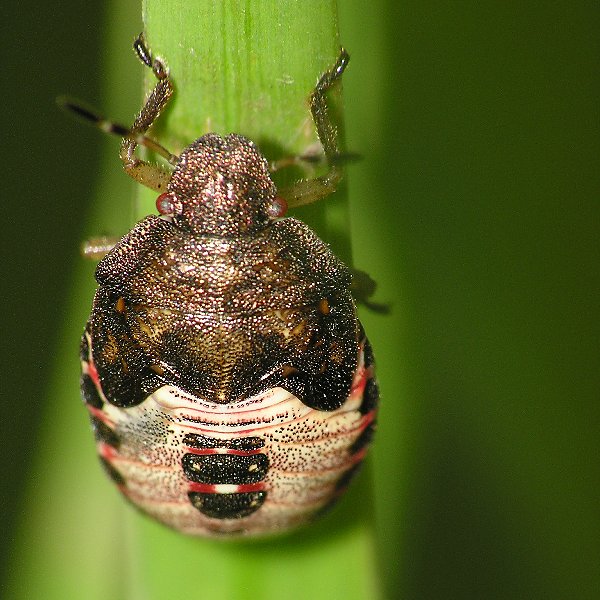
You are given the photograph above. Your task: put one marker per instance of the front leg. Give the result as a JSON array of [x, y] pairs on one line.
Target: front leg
[[142, 171], [311, 190]]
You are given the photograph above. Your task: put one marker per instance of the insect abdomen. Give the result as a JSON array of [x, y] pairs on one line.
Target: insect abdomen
[[259, 466]]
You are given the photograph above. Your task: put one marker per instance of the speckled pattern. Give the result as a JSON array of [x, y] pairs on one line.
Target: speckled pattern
[[228, 379], [309, 454]]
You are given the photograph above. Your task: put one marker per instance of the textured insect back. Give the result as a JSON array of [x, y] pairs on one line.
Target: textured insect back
[[224, 187], [229, 382]]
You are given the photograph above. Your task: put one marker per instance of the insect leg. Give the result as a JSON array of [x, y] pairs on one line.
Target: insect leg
[[363, 287], [98, 247], [145, 173], [307, 191]]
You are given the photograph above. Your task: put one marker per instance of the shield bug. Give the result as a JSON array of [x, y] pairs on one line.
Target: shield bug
[[228, 380]]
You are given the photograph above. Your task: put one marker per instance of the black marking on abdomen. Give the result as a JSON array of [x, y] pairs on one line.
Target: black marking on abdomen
[[194, 440], [346, 478], [364, 438], [89, 391], [227, 506], [103, 433], [368, 354], [370, 397], [84, 347], [234, 469], [112, 472]]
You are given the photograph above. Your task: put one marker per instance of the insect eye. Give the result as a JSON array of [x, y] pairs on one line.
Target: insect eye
[[277, 208], [165, 204]]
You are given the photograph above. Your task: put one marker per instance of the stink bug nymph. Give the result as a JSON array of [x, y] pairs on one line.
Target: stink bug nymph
[[229, 382]]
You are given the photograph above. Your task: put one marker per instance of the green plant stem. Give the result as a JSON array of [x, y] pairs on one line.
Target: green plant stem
[[248, 68], [244, 67], [72, 536]]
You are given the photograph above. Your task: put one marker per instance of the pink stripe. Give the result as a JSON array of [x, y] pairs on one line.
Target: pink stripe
[[209, 488], [359, 383], [100, 415], [93, 373], [107, 452]]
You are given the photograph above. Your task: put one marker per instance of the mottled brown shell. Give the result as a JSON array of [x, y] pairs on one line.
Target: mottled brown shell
[[193, 302]]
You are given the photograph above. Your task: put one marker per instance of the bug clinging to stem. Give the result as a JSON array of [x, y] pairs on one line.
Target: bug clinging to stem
[[229, 382]]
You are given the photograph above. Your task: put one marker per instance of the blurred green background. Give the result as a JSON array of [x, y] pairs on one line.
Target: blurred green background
[[477, 208]]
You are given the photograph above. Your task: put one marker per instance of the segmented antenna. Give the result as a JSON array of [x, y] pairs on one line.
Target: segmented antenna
[[107, 126]]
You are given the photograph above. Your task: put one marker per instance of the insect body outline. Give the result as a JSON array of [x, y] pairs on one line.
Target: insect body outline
[[228, 379]]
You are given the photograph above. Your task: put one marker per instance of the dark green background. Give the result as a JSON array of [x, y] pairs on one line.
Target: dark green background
[[47, 49], [481, 168]]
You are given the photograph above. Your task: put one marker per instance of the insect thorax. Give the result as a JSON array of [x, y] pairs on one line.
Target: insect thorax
[[224, 317], [223, 187]]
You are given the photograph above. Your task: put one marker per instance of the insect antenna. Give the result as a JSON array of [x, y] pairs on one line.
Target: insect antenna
[[113, 128], [338, 159]]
